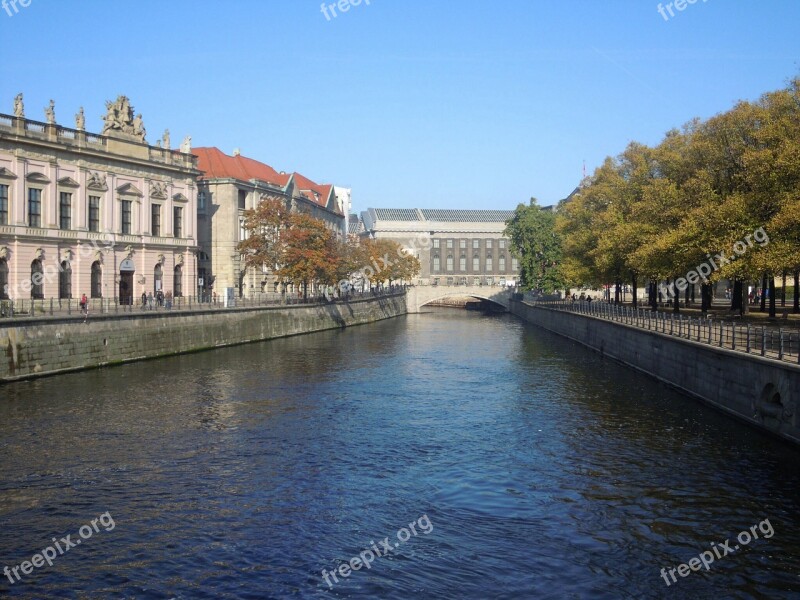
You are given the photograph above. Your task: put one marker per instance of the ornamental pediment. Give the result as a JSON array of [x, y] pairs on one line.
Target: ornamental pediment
[[129, 189], [179, 198], [6, 174], [37, 178], [68, 182]]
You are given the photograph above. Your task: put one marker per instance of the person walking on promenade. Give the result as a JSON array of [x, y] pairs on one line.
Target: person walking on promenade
[[150, 300], [144, 300], [84, 307]]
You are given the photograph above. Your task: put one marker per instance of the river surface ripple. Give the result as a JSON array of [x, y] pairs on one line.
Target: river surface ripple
[[544, 470]]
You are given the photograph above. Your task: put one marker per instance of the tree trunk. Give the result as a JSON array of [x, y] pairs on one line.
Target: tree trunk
[[745, 300], [653, 295], [771, 296], [705, 297], [736, 296], [676, 300], [783, 290], [796, 308], [686, 297], [634, 289], [764, 289]]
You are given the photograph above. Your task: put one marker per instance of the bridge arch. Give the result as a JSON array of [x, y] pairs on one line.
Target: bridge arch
[[419, 296]]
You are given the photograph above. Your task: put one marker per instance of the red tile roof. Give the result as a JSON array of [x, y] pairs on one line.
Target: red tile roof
[[215, 164]]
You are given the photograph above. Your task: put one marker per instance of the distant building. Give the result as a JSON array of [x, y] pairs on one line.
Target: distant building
[[454, 247], [232, 184], [108, 215]]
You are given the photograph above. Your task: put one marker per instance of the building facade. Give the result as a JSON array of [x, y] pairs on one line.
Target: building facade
[[454, 247], [231, 184], [107, 215]]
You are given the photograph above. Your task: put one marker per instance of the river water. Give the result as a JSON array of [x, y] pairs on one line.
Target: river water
[[481, 457]]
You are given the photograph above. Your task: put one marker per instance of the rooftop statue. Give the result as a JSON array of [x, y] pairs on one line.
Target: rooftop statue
[[119, 119], [50, 113], [19, 107]]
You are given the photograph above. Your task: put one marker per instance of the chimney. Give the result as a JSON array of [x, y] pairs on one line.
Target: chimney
[[236, 152]]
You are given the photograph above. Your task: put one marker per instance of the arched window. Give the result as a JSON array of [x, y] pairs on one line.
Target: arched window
[[476, 264], [37, 280], [157, 278], [65, 280], [449, 262], [3, 279], [97, 280], [177, 284]]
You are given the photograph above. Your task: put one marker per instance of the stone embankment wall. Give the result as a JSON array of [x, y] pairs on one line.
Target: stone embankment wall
[[47, 346], [760, 391]]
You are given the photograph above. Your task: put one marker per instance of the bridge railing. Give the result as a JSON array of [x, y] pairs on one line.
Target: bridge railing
[[778, 343]]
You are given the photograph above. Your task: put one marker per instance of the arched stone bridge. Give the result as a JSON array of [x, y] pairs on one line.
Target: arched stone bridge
[[420, 295]]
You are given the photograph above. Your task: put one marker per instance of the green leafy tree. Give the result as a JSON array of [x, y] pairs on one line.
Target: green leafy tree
[[537, 246]]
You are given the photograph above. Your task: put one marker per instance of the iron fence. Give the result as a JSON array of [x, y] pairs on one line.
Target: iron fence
[[779, 343], [71, 307]]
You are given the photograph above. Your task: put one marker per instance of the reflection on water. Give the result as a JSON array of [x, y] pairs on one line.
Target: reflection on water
[[546, 471]]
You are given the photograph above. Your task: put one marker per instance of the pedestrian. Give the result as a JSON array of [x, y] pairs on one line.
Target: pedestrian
[[84, 307], [144, 300], [150, 299]]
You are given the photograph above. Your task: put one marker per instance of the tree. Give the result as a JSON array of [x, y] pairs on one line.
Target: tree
[[537, 246], [265, 227], [309, 253]]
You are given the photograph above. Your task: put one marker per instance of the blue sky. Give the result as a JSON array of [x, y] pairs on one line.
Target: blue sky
[[468, 104]]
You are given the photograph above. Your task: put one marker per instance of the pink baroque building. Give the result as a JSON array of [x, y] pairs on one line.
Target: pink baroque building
[[107, 215]]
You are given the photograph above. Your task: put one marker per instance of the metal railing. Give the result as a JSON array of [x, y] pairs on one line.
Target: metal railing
[[779, 343], [70, 307]]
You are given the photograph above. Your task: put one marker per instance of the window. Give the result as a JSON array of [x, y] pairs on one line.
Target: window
[[436, 244], [65, 280], [462, 244], [501, 263], [96, 288], [3, 279], [126, 216], [476, 244], [462, 263], [34, 208], [242, 230], [476, 281], [4, 206], [177, 222], [488, 244], [94, 213], [242, 199], [65, 210], [514, 264], [201, 200], [437, 264], [157, 278], [489, 266], [177, 284], [502, 244], [450, 262], [476, 263], [37, 280], [155, 219], [449, 244]]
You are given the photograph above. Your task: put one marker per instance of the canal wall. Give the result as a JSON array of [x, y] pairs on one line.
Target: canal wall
[[47, 346], [757, 390]]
